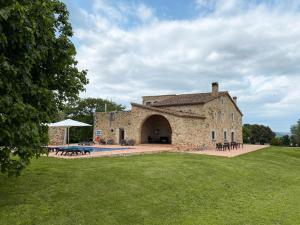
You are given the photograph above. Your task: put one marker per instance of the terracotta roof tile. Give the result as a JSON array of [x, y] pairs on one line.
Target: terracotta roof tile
[[188, 99]]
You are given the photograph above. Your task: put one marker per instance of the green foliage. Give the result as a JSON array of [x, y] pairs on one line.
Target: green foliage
[[286, 141], [246, 133], [281, 141], [83, 110], [38, 75], [276, 141], [254, 133], [259, 188], [295, 130]]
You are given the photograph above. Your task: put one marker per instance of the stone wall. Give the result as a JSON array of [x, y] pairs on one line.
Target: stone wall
[[56, 135], [110, 128], [153, 99], [185, 131], [187, 108], [220, 115]]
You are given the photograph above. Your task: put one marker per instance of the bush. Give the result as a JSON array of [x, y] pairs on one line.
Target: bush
[[276, 141]]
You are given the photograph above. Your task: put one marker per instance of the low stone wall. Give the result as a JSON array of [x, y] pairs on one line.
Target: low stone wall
[[56, 135]]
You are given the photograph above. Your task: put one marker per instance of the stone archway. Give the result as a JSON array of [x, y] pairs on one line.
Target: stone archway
[[156, 129]]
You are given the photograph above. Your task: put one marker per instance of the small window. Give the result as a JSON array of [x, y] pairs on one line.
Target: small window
[[232, 116], [219, 115], [213, 135], [148, 103], [225, 135], [222, 100], [232, 137], [112, 116]]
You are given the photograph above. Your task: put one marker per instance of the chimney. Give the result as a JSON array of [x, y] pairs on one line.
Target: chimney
[[234, 99], [215, 89]]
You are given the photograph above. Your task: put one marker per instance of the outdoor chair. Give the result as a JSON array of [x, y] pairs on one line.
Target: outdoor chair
[[150, 140], [86, 150], [226, 146], [59, 149], [219, 146], [123, 142], [233, 145], [110, 141], [102, 141], [51, 149], [129, 142]]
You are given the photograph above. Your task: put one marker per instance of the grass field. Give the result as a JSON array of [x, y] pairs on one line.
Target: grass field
[[262, 187]]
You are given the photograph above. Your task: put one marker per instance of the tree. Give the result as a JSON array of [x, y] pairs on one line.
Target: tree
[[254, 133], [295, 130], [276, 141], [286, 140], [246, 133], [38, 74], [83, 110]]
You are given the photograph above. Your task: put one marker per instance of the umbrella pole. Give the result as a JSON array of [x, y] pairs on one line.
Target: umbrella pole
[[68, 136]]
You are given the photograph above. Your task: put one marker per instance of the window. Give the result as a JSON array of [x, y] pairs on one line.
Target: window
[[219, 115], [213, 135], [222, 100], [232, 116], [225, 135], [148, 103], [112, 116]]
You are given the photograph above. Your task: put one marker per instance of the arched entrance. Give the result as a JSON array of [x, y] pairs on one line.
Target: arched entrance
[[156, 129]]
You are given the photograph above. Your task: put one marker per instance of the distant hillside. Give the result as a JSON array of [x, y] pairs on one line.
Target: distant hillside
[[280, 134]]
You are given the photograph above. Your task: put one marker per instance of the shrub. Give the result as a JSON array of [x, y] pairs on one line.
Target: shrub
[[276, 141]]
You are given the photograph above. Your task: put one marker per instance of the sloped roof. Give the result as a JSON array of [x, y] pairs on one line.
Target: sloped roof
[[193, 99], [188, 99], [170, 111]]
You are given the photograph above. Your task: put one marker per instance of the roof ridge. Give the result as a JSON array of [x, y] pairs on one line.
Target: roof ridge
[[174, 95]]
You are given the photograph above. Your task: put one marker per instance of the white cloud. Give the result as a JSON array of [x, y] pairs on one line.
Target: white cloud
[[144, 13], [254, 54]]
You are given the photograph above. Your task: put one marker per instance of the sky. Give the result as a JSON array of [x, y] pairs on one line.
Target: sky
[[151, 47]]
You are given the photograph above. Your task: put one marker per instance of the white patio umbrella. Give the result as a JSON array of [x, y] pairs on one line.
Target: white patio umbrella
[[67, 124]]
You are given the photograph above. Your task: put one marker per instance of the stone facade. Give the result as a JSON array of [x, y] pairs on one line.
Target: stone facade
[[111, 124], [56, 135], [197, 119]]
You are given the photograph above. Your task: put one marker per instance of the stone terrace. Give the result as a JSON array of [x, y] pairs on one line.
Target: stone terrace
[[149, 149]]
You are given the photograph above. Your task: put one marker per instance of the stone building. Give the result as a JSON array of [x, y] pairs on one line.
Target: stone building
[[188, 119], [57, 135]]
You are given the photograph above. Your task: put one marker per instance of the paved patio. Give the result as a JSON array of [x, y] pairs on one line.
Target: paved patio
[[128, 150], [155, 148], [233, 152]]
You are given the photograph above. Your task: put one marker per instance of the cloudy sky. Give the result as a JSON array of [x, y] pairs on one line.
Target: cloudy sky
[[133, 48]]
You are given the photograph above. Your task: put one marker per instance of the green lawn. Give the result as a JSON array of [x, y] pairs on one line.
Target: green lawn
[[262, 187]]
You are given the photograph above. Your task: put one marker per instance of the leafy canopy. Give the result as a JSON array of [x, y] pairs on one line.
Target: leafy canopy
[[254, 133], [38, 74], [295, 130]]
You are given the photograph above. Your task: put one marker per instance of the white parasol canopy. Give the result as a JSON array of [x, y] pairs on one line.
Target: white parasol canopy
[[67, 124]]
